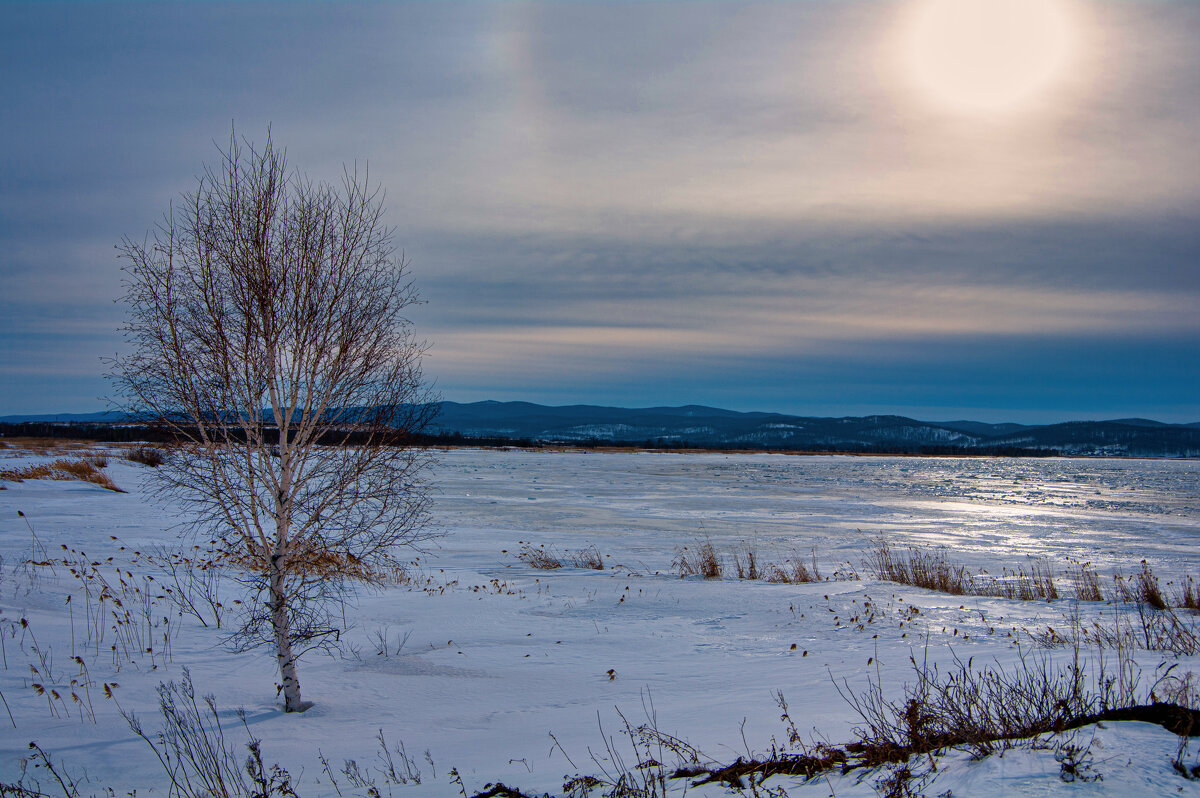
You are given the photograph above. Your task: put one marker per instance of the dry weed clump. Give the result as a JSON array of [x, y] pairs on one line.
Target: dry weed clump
[[539, 557], [62, 470], [703, 560], [1036, 585], [548, 559], [933, 571], [745, 562], [1142, 588], [28, 472], [1086, 582], [920, 569], [197, 760], [700, 561], [1148, 590], [794, 570], [146, 455], [589, 557], [1188, 597]]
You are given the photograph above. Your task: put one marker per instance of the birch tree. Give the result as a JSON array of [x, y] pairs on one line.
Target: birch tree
[[268, 331]]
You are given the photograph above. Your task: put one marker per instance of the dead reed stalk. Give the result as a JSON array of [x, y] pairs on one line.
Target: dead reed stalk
[[700, 561], [918, 568], [794, 570], [589, 557], [745, 562], [1086, 582], [1188, 597], [549, 559], [540, 557], [1148, 590]]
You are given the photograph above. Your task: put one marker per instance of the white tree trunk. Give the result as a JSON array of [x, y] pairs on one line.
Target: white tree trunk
[[280, 621], [283, 638]]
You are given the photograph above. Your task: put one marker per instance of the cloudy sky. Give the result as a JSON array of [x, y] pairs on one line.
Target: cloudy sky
[[825, 208]]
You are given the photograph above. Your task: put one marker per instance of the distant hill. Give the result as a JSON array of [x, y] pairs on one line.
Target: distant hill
[[709, 427], [696, 425], [106, 417], [982, 428]]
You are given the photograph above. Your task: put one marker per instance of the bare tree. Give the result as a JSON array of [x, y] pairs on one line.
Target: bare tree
[[268, 333]]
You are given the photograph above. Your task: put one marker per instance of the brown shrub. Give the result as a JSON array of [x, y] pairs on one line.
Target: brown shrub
[[146, 455]]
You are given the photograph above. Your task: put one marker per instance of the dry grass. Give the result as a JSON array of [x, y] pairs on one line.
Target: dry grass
[[701, 560], [547, 559], [745, 562], [146, 455], [1035, 585], [794, 570], [1120, 630], [933, 571], [589, 557], [1086, 582], [48, 446], [918, 568], [62, 470], [539, 557], [1141, 588], [1188, 597], [1148, 590]]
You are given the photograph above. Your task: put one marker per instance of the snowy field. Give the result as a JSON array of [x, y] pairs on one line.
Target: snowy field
[[483, 664]]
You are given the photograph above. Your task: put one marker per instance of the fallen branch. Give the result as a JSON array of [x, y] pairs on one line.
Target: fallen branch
[[1174, 718]]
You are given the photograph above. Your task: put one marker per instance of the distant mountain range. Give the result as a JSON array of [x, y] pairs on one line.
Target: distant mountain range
[[695, 425], [709, 427]]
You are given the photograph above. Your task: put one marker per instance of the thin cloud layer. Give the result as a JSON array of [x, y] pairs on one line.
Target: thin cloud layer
[[748, 205]]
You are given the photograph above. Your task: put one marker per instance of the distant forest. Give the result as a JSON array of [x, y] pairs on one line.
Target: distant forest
[[133, 433]]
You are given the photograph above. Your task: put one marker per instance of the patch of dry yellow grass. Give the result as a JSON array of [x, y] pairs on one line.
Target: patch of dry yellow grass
[[64, 470]]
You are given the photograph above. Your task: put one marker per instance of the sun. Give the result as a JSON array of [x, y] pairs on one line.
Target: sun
[[987, 56]]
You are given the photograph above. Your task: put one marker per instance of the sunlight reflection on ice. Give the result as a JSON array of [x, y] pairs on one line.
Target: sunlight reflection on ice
[[992, 511]]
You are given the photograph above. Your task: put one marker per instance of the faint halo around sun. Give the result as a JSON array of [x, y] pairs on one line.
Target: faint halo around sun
[[987, 56]]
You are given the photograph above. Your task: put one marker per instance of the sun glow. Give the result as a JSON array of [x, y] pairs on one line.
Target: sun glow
[[987, 56]]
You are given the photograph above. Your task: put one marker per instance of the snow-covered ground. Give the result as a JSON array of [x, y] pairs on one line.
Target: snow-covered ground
[[507, 673]]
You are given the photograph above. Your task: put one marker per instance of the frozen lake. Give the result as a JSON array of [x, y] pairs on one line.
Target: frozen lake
[[1112, 513], [478, 658]]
